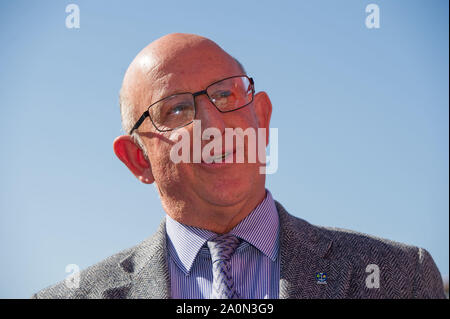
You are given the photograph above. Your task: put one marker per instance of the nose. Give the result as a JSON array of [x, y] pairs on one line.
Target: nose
[[209, 115]]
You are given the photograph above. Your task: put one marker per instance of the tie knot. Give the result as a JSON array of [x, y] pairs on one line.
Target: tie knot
[[222, 247]]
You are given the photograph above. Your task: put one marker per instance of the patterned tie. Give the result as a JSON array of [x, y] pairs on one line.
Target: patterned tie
[[221, 249]]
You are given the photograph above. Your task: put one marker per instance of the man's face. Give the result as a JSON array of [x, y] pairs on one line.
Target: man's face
[[192, 70]]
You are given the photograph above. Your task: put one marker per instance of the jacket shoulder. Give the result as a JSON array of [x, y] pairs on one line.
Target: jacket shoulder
[[356, 245], [117, 277], [92, 281], [405, 271], [344, 243]]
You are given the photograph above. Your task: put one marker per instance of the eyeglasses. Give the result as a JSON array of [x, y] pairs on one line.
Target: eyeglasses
[[178, 110]]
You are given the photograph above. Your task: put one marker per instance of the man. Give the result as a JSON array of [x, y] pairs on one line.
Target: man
[[224, 236]]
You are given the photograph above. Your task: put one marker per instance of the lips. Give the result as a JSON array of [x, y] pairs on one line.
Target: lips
[[219, 159]]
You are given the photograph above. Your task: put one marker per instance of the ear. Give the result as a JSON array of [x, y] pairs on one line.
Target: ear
[[263, 109], [133, 157]]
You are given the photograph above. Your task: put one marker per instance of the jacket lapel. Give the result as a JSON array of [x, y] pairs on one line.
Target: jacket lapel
[[305, 251], [146, 269]]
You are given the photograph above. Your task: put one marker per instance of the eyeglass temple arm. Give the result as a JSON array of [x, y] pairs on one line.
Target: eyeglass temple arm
[[139, 122], [253, 84]]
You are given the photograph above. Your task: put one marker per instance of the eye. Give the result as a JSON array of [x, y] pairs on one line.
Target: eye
[[177, 109], [223, 94]]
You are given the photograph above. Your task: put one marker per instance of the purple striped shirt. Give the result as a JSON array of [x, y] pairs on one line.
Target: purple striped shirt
[[255, 264]]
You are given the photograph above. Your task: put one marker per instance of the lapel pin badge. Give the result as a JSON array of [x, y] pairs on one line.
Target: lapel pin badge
[[321, 278]]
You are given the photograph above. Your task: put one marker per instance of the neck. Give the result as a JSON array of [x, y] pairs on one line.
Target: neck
[[215, 218]]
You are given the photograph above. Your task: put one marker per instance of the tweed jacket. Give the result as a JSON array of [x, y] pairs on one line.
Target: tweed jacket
[[305, 250]]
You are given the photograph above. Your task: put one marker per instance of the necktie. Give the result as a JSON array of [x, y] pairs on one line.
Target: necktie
[[221, 249]]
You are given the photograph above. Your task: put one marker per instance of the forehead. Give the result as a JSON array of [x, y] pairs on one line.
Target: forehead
[[189, 70]]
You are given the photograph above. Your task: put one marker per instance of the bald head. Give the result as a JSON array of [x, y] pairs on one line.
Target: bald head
[[176, 56], [171, 52]]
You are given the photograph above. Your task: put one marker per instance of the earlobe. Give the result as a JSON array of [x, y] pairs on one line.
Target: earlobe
[[132, 156]]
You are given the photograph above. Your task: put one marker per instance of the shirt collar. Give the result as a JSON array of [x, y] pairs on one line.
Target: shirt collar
[[260, 228], [184, 242]]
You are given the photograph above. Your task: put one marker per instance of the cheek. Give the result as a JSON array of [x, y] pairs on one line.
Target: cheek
[[159, 155], [245, 118], [165, 171], [251, 146]]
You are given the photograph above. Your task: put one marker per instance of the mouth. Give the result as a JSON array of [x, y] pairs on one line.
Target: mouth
[[219, 160]]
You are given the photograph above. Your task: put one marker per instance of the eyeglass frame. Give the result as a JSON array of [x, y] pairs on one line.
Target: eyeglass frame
[[194, 95]]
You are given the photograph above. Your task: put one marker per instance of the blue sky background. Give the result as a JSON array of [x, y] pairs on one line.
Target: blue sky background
[[362, 118]]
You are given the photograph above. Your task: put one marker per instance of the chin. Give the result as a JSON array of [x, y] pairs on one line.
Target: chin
[[226, 186], [224, 199], [227, 193]]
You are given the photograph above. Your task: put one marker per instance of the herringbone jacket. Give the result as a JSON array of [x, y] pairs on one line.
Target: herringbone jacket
[[404, 271]]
